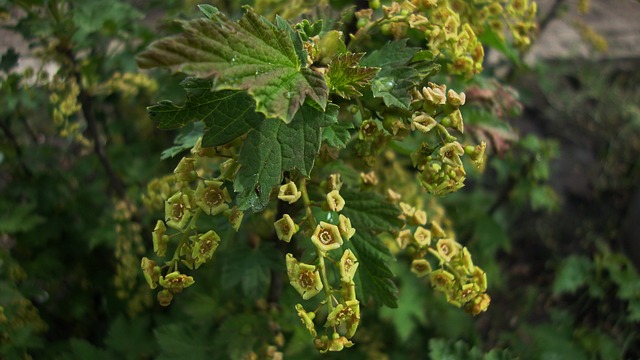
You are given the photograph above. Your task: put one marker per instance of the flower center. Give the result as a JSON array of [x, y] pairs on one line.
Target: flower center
[[325, 237], [307, 279], [177, 211], [213, 197]]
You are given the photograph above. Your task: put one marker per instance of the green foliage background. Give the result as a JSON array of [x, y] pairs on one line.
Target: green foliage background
[[73, 227]]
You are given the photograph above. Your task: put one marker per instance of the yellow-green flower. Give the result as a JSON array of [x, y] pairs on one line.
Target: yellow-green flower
[[454, 99], [476, 153], [451, 153], [467, 262], [303, 277], [186, 170], [289, 192], [204, 247], [480, 278], [420, 267], [151, 272], [442, 280], [419, 218], [335, 202], [307, 319], [348, 266], [160, 240], [454, 121], [234, 216], [347, 314], [404, 238], [176, 282], [344, 225], [422, 236], [423, 123], [285, 228], [177, 210], [447, 249], [326, 237], [478, 305], [212, 198]]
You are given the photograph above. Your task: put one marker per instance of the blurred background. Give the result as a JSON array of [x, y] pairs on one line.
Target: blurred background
[[554, 217]]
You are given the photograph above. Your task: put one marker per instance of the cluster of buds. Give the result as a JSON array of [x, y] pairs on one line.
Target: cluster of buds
[[440, 163], [309, 280], [455, 39], [463, 283], [372, 139]]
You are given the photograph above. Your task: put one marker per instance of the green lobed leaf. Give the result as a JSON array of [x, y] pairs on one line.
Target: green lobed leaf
[[370, 211], [396, 78], [337, 135], [440, 349], [274, 147], [374, 277], [251, 54], [131, 339], [177, 339], [185, 140], [574, 272], [227, 114], [345, 76], [250, 268]]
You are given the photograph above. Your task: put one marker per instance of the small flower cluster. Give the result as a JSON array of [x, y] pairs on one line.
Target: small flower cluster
[[309, 280], [64, 98], [463, 283], [516, 16], [440, 163], [183, 206], [372, 139]]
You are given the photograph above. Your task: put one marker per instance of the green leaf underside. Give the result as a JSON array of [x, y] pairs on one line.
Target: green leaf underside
[[251, 54], [345, 75], [227, 114], [375, 278], [371, 211], [396, 78], [274, 147]]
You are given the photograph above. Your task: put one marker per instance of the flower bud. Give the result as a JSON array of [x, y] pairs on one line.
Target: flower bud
[[344, 225], [164, 297], [348, 266], [307, 319], [160, 240]]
